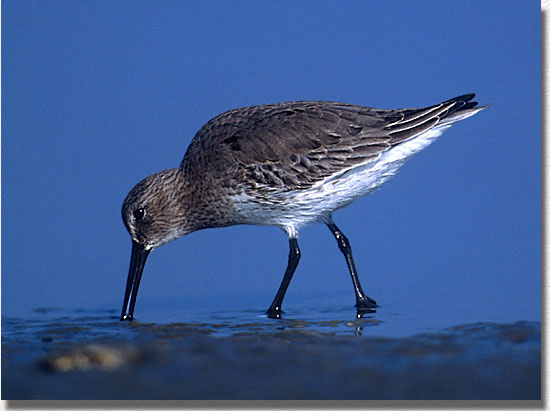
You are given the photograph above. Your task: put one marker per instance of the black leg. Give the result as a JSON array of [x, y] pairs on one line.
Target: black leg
[[364, 303], [293, 259]]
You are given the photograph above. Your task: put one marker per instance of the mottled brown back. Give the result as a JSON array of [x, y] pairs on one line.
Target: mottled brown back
[[293, 145]]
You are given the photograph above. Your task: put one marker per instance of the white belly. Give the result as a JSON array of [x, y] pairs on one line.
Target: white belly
[[316, 203]]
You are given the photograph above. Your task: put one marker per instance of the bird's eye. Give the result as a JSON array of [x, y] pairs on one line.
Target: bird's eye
[[139, 213]]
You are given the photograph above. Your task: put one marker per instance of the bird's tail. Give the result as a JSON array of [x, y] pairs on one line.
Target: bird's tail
[[463, 108]]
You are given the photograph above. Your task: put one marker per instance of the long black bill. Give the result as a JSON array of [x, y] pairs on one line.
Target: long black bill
[[139, 256]]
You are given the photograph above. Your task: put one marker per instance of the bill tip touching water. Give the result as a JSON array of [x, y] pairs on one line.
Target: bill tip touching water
[[286, 165]]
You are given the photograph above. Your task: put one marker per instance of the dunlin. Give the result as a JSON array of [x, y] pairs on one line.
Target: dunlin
[[285, 165]]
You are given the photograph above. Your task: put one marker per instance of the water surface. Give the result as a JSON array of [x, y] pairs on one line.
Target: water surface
[[238, 353]]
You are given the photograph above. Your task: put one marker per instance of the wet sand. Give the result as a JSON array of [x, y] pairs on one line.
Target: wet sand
[[94, 358]]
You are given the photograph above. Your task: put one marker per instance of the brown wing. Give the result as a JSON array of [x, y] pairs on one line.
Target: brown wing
[[293, 145]]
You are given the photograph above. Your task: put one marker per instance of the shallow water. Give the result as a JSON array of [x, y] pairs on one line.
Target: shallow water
[[207, 353], [224, 315]]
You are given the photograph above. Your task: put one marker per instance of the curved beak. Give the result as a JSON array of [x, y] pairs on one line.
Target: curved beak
[[139, 256]]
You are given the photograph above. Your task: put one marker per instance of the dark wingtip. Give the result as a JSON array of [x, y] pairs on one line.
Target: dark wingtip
[[471, 104], [464, 98], [463, 103]]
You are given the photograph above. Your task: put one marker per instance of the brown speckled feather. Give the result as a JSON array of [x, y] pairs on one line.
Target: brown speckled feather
[[289, 146]]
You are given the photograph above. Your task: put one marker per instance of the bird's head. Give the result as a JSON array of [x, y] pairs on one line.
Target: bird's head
[[153, 211]]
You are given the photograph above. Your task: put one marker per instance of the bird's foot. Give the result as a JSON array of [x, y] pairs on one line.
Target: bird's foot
[[366, 302], [274, 312], [365, 305]]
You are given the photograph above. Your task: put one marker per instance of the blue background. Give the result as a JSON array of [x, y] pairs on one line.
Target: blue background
[[98, 95]]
